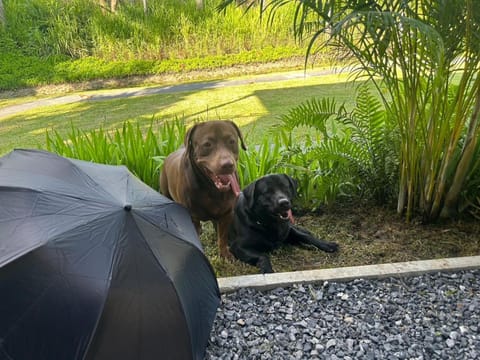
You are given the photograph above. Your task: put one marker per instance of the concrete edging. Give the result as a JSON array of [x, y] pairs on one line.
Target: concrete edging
[[409, 268]]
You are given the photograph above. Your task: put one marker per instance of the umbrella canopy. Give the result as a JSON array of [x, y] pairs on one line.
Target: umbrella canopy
[[94, 264]]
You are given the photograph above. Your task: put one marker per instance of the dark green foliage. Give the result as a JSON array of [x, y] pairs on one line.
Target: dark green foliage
[[347, 154], [142, 150], [67, 41], [413, 52]]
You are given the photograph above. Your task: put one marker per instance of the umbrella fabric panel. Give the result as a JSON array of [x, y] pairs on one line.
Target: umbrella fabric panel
[[28, 219], [193, 278], [44, 171], [142, 309], [52, 297], [122, 184], [54, 316], [173, 219]]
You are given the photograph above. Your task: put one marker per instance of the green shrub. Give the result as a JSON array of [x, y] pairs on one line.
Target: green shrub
[[262, 159], [142, 150], [343, 154]]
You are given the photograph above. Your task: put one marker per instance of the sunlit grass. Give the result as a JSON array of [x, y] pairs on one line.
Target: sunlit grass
[[255, 107]]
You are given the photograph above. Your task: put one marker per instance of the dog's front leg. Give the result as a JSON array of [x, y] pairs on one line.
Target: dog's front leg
[[298, 235], [198, 226], [249, 256], [222, 226]]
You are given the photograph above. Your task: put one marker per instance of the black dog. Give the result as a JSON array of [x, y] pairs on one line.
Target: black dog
[[263, 222]]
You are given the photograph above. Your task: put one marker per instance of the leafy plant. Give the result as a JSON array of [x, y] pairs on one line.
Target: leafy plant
[[415, 51], [262, 159], [142, 150], [349, 153]]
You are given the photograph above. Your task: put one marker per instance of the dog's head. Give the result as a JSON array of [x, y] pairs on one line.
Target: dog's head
[[213, 147], [270, 198]]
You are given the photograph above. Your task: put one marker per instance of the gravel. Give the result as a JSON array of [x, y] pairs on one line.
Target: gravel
[[433, 316]]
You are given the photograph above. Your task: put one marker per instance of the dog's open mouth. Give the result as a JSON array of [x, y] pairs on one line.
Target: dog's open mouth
[[286, 216], [226, 182]]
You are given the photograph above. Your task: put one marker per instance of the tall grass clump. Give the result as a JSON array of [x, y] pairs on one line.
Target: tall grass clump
[[262, 159], [49, 27], [140, 149], [143, 149], [168, 29], [76, 40], [173, 29]]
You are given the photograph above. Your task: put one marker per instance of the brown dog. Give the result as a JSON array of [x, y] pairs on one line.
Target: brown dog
[[202, 175]]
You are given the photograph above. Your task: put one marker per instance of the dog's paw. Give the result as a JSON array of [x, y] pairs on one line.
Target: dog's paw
[[265, 265], [226, 254], [330, 247]]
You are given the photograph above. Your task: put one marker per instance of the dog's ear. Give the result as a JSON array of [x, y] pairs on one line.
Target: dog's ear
[[292, 183], [249, 194], [187, 142], [239, 133]]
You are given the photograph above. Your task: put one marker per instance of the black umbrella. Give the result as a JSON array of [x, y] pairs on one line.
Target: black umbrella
[[94, 264]]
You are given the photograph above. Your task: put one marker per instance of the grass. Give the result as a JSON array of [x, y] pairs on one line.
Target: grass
[[49, 42], [34, 72], [254, 107]]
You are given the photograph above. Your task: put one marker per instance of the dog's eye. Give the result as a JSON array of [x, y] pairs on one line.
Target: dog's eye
[[207, 144]]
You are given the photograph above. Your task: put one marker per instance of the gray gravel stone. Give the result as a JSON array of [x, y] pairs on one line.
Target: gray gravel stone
[[433, 316]]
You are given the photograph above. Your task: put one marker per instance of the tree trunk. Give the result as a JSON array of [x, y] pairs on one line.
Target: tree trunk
[[450, 206], [199, 3]]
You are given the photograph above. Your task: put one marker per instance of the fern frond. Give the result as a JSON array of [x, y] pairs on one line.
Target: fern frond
[[314, 113]]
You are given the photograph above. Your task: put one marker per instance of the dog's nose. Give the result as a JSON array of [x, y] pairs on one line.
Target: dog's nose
[[227, 166], [284, 203]]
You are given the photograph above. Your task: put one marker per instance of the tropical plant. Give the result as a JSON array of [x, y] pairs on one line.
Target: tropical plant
[[348, 153], [413, 52], [141, 149], [262, 159]]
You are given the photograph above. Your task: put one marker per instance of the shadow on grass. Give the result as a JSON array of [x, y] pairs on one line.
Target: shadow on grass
[[255, 111]]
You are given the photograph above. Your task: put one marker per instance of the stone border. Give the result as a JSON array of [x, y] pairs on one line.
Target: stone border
[[410, 268]]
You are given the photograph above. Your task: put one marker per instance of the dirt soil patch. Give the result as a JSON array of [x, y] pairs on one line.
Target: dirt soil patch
[[367, 235]]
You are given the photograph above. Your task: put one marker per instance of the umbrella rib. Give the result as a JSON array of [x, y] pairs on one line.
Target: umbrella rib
[[139, 214], [84, 199]]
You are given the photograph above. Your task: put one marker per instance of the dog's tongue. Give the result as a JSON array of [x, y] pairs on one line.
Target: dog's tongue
[[290, 217], [234, 185], [230, 180]]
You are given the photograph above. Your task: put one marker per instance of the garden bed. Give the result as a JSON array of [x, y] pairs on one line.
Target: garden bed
[[367, 235]]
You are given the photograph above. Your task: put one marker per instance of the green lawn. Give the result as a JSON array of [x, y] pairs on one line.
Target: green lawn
[[255, 107]]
